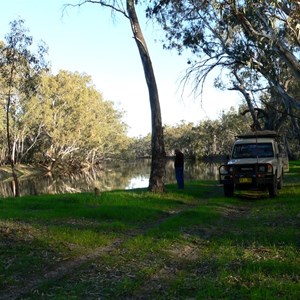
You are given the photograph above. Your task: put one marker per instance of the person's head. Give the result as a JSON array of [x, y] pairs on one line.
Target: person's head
[[177, 151]]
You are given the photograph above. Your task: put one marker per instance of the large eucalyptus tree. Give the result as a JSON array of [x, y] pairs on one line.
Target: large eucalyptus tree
[[127, 9], [20, 69], [256, 42]]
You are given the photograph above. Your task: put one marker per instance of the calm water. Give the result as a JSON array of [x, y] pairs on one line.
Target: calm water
[[113, 175]]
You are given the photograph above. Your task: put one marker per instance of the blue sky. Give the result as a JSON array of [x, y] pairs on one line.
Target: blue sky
[[89, 40]]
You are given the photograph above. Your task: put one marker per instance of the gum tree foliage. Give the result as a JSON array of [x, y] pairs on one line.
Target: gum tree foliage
[[256, 43], [67, 122], [180, 136], [209, 137], [77, 125], [127, 9], [58, 121], [141, 146], [20, 69]]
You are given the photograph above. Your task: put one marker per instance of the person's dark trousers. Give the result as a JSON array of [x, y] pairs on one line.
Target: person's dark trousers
[[179, 177]]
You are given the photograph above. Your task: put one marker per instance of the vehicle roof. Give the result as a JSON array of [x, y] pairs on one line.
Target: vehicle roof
[[254, 140], [259, 134]]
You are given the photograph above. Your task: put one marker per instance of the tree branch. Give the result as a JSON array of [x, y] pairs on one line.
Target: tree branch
[[115, 6]]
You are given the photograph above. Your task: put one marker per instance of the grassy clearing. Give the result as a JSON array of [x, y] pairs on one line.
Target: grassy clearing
[[184, 244]]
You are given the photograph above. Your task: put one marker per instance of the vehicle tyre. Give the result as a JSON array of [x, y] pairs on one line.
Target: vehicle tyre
[[280, 181], [228, 190], [273, 191]]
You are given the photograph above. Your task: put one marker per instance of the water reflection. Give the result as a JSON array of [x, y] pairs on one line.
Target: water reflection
[[112, 176]]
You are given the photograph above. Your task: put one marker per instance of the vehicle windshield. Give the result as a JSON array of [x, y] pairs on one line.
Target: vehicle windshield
[[253, 150]]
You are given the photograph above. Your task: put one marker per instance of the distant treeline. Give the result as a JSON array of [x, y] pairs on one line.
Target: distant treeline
[[211, 139]]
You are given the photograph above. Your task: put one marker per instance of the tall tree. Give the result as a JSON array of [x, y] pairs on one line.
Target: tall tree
[[252, 40], [19, 73], [156, 181], [78, 126]]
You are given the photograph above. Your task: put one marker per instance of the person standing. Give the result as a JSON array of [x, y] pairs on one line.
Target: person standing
[[179, 167]]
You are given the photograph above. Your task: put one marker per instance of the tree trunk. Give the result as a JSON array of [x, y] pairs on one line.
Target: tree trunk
[[15, 182], [240, 87], [156, 182]]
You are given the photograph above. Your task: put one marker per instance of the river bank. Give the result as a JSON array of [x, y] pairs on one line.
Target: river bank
[[109, 176]]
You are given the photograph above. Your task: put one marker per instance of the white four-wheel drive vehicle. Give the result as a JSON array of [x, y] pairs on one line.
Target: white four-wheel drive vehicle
[[255, 163]]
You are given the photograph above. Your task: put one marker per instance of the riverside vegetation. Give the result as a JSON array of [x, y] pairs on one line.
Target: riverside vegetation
[[134, 244]]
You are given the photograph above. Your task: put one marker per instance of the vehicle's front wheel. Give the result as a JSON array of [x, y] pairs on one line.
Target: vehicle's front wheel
[[228, 190], [273, 188]]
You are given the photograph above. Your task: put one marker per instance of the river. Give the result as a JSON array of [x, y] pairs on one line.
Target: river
[[111, 176]]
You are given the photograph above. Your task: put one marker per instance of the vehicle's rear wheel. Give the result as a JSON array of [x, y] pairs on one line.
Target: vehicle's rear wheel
[[273, 191], [228, 190]]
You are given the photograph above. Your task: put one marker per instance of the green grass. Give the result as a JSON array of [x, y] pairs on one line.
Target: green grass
[[183, 244]]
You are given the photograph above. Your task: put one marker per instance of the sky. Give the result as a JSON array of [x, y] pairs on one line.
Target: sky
[[90, 40]]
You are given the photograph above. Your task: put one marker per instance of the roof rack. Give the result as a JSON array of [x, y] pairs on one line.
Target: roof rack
[[259, 134]]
